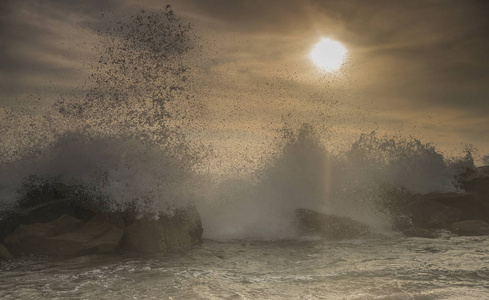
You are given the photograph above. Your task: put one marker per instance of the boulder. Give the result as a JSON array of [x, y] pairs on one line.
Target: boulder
[[479, 185], [470, 228], [476, 181], [420, 232], [29, 238], [92, 238], [4, 253], [66, 236], [52, 210], [440, 210], [8, 222], [329, 226], [180, 231]]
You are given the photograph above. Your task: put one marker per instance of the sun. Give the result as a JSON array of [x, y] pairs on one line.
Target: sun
[[328, 54]]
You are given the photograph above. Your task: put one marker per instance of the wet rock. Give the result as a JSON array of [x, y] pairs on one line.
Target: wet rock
[[4, 253], [476, 181], [92, 238], [440, 210], [470, 228], [420, 232], [30, 238], [66, 236], [52, 210], [329, 226], [8, 222], [180, 231]]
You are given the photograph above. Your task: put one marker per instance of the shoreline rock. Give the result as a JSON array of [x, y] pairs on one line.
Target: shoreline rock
[[470, 228], [329, 226], [4, 253], [420, 232], [180, 231]]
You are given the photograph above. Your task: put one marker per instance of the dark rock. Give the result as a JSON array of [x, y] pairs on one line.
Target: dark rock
[[67, 236], [92, 238], [420, 232], [440, 210], [52, 210], [4, 253], [478, 185], [29, 238], [180, 231], [329, 226], [8, 222], [470, 228], [113, 218], [476, 181]]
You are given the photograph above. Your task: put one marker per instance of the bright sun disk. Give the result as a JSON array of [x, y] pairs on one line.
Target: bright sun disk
[[328, 54]]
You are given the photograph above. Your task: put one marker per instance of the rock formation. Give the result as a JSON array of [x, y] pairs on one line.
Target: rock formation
[[329, 226]]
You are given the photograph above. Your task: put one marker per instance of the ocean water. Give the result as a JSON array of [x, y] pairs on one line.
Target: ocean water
[[381, 267]]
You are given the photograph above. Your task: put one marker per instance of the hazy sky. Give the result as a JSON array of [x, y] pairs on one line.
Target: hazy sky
[[414, 67]]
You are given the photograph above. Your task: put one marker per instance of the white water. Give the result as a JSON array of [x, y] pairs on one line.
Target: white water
[[387, 267]]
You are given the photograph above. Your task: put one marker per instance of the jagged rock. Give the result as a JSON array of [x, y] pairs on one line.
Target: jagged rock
[[470, 227], [115, 219], [420, 232], [8, 222], [180, 231], [329, 226], [92, 238], [52, 210], [4, 253], [29, 238], [476, 181], [67, 236], [440, 210]]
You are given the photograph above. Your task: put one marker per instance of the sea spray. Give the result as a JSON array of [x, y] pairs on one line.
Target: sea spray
[[365, 183], [122, 140]]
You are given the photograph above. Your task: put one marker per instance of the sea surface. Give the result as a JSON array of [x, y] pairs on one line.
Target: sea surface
[[381, 267]]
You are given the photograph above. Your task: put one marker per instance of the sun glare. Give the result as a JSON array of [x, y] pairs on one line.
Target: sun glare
[[328, 54]]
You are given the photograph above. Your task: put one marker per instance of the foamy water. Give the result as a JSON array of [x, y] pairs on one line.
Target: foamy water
[[387, 267]]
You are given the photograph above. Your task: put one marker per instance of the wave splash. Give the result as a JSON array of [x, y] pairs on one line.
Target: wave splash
[[361, 183], [123, 141]]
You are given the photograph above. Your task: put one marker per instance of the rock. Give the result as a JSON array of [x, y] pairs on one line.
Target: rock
[[420, 232], [29, 238], [8, 222], [329, 226], [114, 218], [92, 238], [67, 236], [440, 210], [4, 253], [478, 185], [180, 231], [470, 228], [52, 210]]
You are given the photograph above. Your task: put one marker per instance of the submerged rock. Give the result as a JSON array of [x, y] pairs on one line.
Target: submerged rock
[[420, 232], [180, 231], [470, 228], [329, 226], [4, 253]]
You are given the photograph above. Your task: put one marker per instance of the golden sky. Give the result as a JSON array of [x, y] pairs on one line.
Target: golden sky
[[414, 67]]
